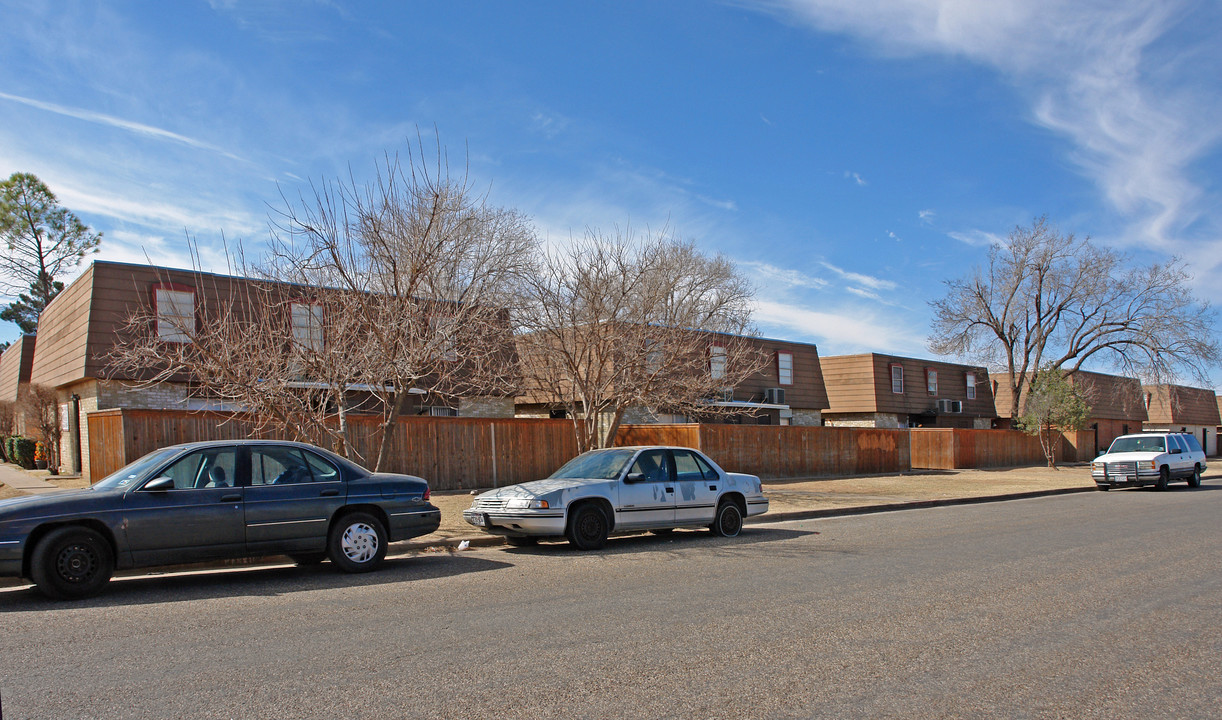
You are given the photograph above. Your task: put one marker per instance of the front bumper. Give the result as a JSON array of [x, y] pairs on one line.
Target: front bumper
[[1112, 479], [540, 523]]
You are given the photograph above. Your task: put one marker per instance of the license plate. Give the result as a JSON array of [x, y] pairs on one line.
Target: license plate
[[476, 519]]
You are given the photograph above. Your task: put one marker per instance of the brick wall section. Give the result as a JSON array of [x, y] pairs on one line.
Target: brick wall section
[[485, 407], [806, 418], [866, 420]]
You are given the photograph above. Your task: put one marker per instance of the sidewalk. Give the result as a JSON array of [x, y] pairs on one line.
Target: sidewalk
[[28, 482]]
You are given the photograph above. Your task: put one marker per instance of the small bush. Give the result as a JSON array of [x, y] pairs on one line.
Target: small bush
[[23, 452]]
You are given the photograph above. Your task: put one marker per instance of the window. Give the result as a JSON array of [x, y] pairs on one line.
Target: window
[[931, 380], [784, 368], [897, 379], [653, 356], [717, 362], [971, 386], [210, 468], [686, 467], [653, 465], [288, 466], [307, 325], [175, 308]]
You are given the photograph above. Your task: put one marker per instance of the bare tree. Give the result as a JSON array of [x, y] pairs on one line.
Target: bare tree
[[369, 295], [1046, 299], [40, 404], [609, 322], [1053, 406]]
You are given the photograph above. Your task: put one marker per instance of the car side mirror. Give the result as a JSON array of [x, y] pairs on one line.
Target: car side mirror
[[635, 478], [1176, 451], [160, 484]]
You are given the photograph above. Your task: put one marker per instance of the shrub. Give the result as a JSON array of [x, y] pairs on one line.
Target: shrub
[[23, 452]]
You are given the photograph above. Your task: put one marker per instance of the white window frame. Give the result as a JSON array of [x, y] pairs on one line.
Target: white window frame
[[931, 381], [971, 385], [897, 379], [306, 318], [717, 361], [175, 308], [784, 368]]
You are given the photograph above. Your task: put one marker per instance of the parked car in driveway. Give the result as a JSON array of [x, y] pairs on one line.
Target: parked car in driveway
[[1150, 459], [212, 500], [621, 490]]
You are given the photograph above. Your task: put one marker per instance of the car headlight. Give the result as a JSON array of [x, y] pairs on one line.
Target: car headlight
[[1097, 466], [526, 504]]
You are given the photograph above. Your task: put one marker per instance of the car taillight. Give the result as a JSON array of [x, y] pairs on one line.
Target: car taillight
[[427, 493]]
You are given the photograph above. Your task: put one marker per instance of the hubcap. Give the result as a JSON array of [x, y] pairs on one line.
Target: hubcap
[[590, 528], [77, 563], [360, 543], [730, 522]]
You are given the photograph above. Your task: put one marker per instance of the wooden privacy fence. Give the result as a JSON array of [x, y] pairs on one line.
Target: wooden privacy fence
[[451, 453], [956, 448], [783, 451]]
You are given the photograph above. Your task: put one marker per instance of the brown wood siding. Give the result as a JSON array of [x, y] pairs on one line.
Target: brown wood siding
[[783, 452], [950, 449], [807, 392], [63, 330], [451, 453], [15, 366], [862, 383], [1181, 405]]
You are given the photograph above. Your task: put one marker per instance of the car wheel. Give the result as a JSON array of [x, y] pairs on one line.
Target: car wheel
[[1195, 479], [71, 562], [728, 521], [522, 540], [1104, 488], [588, 528], [308, 558], [357, 542], [1163, 477]]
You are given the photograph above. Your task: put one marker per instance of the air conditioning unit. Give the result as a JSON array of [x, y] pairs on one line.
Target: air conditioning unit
[[442, 411], [774, 396], [950, 406]]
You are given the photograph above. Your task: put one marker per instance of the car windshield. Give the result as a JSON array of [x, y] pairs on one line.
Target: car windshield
[[1140, 443], [125, 476], [596, 464]]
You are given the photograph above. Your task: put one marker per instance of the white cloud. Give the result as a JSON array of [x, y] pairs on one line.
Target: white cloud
[[926, 216], [860, 279], [977, 238], [893, 236], [111, 121], [1140, 107], [855, 177], [772, 275], [841, 331]]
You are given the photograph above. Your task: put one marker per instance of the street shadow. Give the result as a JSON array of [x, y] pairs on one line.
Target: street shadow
[[281, 580], [675, 540]]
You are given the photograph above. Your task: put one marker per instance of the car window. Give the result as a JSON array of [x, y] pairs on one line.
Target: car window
[[272, 465], [322, 470], [211, 468], [596, 465], [126, 475], [709, 472], [652, 464], [1192, 443], [686, 466], [1138, 443], [1177, 443]]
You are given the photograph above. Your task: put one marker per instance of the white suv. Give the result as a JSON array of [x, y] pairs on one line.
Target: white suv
[[1150, 459]]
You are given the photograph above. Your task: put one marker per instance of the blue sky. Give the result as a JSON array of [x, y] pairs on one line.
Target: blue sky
[[850, 155]]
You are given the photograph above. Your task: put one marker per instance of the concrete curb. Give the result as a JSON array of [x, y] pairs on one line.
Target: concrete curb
[[907, 505]]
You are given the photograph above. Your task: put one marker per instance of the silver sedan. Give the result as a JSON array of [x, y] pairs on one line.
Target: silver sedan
[[622, 489]]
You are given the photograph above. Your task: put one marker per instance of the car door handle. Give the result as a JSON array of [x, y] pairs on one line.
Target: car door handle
[[713, 488], [669, 490], [230, 498], [329, 493]]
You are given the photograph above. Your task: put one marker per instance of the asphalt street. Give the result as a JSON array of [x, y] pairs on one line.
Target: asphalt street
[[1104, 605]]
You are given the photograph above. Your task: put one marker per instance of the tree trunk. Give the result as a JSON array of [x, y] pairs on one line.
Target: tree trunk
[[388, 429]]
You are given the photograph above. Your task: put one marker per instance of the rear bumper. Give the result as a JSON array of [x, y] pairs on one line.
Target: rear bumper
[[757, 507], [11, 552]]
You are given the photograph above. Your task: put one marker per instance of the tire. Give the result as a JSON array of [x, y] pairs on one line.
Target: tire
[[728, 522], [1163, 477], [308, 558], [588, 528], [72, 562], [522, 540], [1194, 480], [1104, 488], [357, 542]]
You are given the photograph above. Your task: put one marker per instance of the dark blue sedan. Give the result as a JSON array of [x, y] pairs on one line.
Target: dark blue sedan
[[208, 501]]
